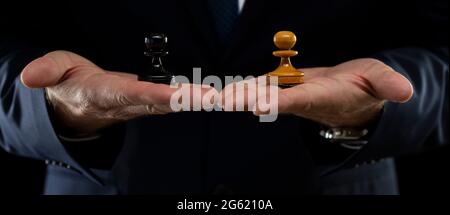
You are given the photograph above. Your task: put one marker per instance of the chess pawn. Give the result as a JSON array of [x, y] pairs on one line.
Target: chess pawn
[[287, 74], [155, 46]]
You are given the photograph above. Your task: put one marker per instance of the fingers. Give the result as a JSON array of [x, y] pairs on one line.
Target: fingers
[[292, 100], [48, 70], [124, 75], [295, 99], [257, 96], [130, 112], [126, 90], [285, 102], [161, 98], [241, 96], [142, 93], [390, 85], [314, 72], [267, 102], [250, 95], [193, 97]]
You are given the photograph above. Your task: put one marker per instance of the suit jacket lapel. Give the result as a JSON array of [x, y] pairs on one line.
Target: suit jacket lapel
[[247, 25]]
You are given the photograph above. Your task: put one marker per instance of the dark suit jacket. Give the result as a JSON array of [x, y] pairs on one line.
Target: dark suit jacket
[[198, 152]]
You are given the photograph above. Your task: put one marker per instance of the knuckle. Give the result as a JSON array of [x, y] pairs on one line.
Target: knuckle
[[153, 110], [86, 108], [121, 100], [370, 65], [85, 104], [374, 68], [117, 114], [373, 61]]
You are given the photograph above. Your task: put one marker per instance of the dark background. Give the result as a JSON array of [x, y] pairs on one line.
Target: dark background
[[424, 173]]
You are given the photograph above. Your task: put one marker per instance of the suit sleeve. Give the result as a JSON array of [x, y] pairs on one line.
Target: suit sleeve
[[25, 125], [422, 122]]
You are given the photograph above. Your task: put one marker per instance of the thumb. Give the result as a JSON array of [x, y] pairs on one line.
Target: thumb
[[391, 85], [48, 70]]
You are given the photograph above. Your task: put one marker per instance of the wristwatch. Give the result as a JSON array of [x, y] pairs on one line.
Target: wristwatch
[[350, 138]]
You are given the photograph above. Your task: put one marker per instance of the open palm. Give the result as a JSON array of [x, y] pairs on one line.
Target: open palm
[[349, 94]]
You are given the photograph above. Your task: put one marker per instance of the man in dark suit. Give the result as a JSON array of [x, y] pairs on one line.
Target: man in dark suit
[[84, 113]]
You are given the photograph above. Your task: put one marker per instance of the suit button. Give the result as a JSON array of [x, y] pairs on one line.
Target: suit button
[[58, 163], [222, 189]]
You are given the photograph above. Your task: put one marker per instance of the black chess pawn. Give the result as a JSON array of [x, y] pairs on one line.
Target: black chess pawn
[[155, 49]]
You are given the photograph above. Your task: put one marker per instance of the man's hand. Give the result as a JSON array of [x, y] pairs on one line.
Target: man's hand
[[347, 95], [86, 98]]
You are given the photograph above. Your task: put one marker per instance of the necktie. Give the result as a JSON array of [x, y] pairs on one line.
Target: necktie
[[224, 14]]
